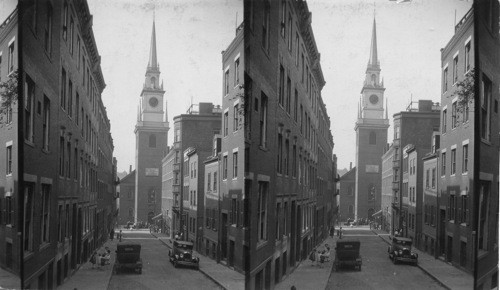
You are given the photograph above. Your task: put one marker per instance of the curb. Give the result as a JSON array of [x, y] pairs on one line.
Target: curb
[[419, 266], [200, 269]]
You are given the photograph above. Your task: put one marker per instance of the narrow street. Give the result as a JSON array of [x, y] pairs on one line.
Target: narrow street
[[158, 272], [378, 271]]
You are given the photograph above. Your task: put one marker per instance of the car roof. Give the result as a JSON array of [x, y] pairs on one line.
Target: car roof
[[348, 241], [184, 243], [403, 239]]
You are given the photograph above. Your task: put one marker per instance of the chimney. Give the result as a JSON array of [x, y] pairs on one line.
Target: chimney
[[350, 166], [130, 169]]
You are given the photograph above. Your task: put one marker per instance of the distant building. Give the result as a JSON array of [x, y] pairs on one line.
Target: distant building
[[388, 178], [347, 186], [127, 199], [286, 186], [430, 203], [151, 141], [371, 138], [194, 129], [167, 196], [413, 127], [69, 173], [212, 202], [10, 175]]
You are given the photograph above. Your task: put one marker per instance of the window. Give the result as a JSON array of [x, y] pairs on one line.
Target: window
[[235, 118], [70, 98], [262, 211], [289, 32], [68, 159], [455, 69], [453, 161], [226, 117], [294, 161], [297, 49], [484, 201], [283, 18], [233, 213], [226, 82], [48, 30], [11, 57], [65, 21], [215, 182], [46, 122], [263, 120], [28, 217], [454, 115], [396, 132], [465, 158], [152, 141], [63, 89], [224, 167], [9, 210], [282, 86], [433, 178], [464, 216], [265, 25], [445, 80], [373, 138], [9, 160], [451, 207], [295, 105], [0, 65], [45, 220], [427, 173], [277, 221], [71, 32], [467, 56], [237, 71], [288, 95], [279, 158], [61, 156], [287, 157], [443, 129], [485, 98], [79, 52], [29, 98], [301, 118], [443, 163], [235, 164]]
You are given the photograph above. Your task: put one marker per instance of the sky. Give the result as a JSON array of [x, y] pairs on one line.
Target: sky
[[191, 34], [6, 7]]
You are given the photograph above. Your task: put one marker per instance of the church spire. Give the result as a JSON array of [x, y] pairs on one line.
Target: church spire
[[153, 62], [373, 50]]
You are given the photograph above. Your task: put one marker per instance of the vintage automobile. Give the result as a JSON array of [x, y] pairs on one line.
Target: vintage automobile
[[347, 254], [400, 251], [182, 254], [128, 257]]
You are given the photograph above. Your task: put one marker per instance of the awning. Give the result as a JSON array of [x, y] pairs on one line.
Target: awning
[[157, 217], [377, 213]]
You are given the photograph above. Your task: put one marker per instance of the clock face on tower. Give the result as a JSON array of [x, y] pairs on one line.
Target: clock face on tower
[[374, 99], [153, 102]]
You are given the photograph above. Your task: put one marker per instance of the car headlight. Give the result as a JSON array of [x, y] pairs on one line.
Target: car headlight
[[182, 255], [400, 252], [176, 256]]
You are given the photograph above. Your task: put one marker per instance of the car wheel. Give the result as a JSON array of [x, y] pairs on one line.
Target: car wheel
[[175, 264]]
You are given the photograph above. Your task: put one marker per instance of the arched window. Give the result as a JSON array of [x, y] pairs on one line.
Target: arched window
[[374, 79], [152, 141], [373, 138], [153, 82]]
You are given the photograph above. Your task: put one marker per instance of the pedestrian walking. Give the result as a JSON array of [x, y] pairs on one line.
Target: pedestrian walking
[[93, 259], [340, 233]]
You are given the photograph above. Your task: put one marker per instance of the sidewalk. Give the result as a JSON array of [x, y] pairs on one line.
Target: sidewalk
[[93, 279], [308, 275], [446, 274], [9, 280], [220, 274]]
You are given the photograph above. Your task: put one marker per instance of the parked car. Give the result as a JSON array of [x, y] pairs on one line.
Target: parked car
[[400, 251], [128, 257], [347, 254], [182, 254]]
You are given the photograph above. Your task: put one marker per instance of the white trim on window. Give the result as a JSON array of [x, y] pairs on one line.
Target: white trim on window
[[237, 56], [465, 142], [456, 54], [454, 146], [235, 149], [11, 41], [9, 143], [445, 66], [468, 40], [224, 154], [226, 69]]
